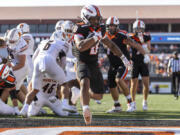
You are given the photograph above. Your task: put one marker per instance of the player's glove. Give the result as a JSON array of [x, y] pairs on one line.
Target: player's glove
[[126, 62], [140, 36], [97, 36], [146, 58], [145, 48], [53, 99], [16, 110]]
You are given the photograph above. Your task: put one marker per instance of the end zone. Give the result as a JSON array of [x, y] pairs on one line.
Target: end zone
[[91, 130]]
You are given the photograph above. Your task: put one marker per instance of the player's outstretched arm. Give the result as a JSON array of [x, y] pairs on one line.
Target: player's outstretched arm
[[112, 46], [85, 44], [134, 44]]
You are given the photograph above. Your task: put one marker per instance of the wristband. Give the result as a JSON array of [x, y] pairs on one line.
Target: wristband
[[122, 56]]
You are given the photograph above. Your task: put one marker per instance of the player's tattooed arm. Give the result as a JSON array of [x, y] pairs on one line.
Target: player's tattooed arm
[[134, 44], [84, 44], [112, 46]]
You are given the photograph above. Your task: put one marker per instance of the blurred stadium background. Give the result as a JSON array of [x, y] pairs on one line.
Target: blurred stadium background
[[162, 22]]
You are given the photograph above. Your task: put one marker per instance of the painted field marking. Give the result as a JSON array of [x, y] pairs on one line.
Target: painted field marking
[[91, 130]]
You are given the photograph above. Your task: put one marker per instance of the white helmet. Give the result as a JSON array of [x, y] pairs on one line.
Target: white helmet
[[13, 36], [89, 11], [24, 27], [138, 24], [67, 28], [4, 71], [112, 20], [58, 25]]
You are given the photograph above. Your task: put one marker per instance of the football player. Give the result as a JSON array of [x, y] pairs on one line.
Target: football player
[[17, 47], [30, 42], [47, 96], [57, 35], [140, 61], [7, 85], [118, 71], [67, 35], [45, 62], [87, 38]]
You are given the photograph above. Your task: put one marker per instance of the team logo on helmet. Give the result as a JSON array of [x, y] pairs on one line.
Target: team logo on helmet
[[89, 11]]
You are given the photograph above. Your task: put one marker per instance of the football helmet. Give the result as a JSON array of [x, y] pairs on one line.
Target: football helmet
[[4, 71], [138, 26], [67, 28], [114, 21], [13, 36], [58, 24], [88, 12], [24, 27]]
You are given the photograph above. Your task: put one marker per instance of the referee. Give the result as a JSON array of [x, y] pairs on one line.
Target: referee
[[174, 68]]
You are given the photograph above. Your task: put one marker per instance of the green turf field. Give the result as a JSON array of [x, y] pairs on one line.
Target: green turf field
[[161, 106]]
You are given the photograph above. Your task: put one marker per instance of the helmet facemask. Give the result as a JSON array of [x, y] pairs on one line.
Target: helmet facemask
[[138, 26], [112, 25], [112, 29], [139, 30], [67, 29]]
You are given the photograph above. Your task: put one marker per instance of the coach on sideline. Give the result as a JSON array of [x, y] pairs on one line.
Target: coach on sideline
[[174, 68]]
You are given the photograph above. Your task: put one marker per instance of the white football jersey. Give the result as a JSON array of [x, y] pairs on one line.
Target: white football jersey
[[49, 87], [4, 53], [19, 48], [69, 54], [30, 41], [57, 35], [53, 48]]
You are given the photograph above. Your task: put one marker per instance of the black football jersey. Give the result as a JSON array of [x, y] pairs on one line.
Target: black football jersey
[[90, 55], [136, 55], [118, 38]]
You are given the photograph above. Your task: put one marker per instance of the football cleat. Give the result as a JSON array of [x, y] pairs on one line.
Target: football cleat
[[24, 110], [145, 106], [42, 111], [69, 108], [115, 110], [130, 107], [87, 116], [98, 101]]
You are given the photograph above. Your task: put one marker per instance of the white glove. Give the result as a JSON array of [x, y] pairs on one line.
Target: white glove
[[145, 48], [16, 110], [140, 36], [97, 36], [53, 99], [146, 58], [126, 62]]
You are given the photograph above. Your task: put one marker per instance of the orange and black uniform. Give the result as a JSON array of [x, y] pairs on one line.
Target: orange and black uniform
[[117, 68], [139, 67], [9, 82], [87, 65]]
